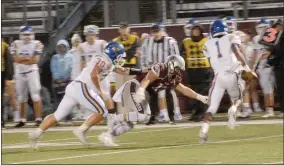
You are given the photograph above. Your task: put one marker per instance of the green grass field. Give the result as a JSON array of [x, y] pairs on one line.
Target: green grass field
[[246, 144]]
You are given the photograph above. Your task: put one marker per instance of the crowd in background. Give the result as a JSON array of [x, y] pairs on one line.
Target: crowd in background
[[142, 51]]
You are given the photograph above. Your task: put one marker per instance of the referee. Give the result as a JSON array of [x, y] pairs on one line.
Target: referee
[[156, 49]]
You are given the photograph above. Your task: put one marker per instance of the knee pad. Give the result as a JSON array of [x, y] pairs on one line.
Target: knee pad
[[35, 97], [162, 94]]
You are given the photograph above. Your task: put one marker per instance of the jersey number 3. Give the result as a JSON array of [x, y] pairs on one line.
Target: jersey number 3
[[218, 48]]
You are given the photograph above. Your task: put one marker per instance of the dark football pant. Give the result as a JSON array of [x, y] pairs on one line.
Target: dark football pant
[[199, 80]]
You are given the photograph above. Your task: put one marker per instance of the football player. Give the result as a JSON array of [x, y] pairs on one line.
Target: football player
[[264, 71], [85, 90], [26, 53], [161, 76], [94, 45], [227, 61]]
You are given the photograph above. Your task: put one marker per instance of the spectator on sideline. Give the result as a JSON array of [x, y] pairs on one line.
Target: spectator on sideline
[[199, 72], [61, 67]]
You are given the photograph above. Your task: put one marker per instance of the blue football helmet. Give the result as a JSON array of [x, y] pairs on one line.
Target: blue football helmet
[[26, 33], [116, 52], [218, 27], [187, 27], [262, 24], [231, 23]]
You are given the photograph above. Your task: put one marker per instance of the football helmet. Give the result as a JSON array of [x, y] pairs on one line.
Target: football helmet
[[231, 23], [26, 33], [218, 27], [262, 24], [91, 30], [116, 52]]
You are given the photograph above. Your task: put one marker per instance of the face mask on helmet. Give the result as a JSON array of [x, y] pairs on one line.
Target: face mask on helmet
[[175, 64], [231, 26], [120, 60]]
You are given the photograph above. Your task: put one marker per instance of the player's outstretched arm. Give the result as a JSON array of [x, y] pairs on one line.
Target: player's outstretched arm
[[129, 71], [239, 55], [191, 94]]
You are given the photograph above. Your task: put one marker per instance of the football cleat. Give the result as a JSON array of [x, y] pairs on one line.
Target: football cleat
[[81, 136], [177, 116], [203, 137], [33, 138], [107, 139]]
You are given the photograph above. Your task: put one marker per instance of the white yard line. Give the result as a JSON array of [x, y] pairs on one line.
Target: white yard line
[[55, 140], [274, 163], [214, 163], [142, 126], [41, 145], [145, 149]]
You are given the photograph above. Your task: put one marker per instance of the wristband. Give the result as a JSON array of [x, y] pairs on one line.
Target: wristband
[[135, 71]]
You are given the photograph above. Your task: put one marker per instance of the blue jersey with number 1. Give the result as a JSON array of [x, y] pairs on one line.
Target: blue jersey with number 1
[[219, 51]]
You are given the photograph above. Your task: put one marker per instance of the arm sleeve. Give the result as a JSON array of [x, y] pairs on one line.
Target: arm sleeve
[[53, 67]]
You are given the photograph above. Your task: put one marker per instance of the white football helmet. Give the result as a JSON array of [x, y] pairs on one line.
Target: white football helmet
[[187, 27], [26, 33], [91, 30], [231, 23], [76, 37], [175, 63], [261, 25]]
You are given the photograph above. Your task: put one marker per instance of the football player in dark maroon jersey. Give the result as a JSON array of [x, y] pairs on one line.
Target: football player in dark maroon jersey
[[132, 95]]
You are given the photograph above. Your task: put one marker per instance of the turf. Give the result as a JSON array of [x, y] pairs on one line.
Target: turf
[[245, 144]]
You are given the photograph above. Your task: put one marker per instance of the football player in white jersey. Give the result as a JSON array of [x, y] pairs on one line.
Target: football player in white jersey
[[85, 90], [26, 53], [264, 71], [249, 86], [226, 60], [92, 46]]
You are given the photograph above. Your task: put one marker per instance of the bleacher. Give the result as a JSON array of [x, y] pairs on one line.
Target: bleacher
[[36, 15]]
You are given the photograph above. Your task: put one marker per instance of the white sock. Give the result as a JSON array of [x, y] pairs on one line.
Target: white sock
[[38, 119], [246, 105], [255, 105], [205, 127], [39, 131], [177, 110], [84, 127], [121, 117], [24, 120], [164, 112], [16, 116]]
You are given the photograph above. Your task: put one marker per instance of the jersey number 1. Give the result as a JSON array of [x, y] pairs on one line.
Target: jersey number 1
[[218, 48]]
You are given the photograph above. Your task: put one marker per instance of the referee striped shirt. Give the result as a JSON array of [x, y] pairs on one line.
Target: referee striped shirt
[[156, 51]]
